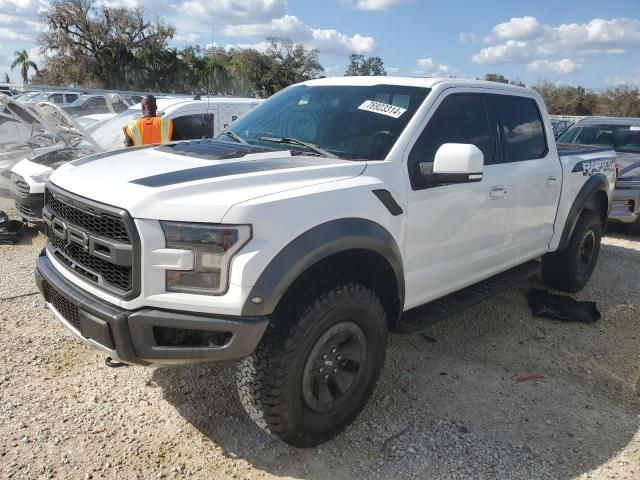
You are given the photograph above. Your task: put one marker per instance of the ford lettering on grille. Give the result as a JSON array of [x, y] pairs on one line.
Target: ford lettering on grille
[[109, 250]]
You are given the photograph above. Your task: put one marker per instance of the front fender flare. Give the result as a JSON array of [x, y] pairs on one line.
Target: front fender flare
[[315, 245]]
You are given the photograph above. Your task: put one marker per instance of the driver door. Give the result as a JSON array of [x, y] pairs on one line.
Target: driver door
[[456, 232]]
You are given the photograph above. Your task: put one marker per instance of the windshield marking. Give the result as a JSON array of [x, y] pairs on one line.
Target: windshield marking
[[382, 108]]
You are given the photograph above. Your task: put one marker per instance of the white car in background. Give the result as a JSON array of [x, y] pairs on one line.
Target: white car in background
[[91, 122], [192, 119]]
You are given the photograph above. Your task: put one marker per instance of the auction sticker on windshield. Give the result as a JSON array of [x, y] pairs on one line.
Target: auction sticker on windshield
[[382, 108]]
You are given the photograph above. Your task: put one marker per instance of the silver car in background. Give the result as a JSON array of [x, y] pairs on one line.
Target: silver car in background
[[623, 134]]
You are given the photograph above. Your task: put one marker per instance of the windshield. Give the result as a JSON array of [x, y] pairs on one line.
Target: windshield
[[79, 102], [350, 122], [622, 138], [109, 135]]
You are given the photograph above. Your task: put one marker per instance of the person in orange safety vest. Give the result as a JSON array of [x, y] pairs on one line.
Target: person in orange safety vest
[[150, 128]]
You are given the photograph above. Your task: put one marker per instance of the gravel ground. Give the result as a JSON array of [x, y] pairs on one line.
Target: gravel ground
[[447, 405]]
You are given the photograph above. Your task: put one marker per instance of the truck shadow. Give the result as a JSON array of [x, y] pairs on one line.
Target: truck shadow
[[452, 399]]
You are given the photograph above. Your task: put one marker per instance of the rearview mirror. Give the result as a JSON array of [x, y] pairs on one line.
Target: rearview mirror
[[454, 163]]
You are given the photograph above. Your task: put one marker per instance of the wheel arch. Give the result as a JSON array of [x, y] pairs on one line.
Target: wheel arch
[[355, 249], [592, 196]]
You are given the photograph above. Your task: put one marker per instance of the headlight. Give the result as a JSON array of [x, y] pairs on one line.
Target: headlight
[[43, 177], [213, 247]]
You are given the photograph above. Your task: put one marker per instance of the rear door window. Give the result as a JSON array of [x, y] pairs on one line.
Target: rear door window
[[56, 98], [191, 127], [521, 128], [96, 102], [71, 97]]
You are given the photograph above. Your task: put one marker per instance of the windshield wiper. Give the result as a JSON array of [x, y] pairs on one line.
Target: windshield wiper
[[295, 141], [234, 136]]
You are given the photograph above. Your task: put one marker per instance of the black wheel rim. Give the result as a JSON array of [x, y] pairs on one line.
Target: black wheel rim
[[334, 367], [586, 251]]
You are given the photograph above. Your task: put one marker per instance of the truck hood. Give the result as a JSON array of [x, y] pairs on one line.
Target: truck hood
[[63, 126], [195, 181]]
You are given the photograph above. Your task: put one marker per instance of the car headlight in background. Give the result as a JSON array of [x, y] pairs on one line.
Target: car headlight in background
[[213, 247], [43, 177]]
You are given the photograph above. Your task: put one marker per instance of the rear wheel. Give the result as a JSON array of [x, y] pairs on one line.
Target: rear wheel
[[313, 372], [571, 268]]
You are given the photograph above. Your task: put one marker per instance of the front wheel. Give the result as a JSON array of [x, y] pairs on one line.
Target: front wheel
[[570, 269], [311, 375]]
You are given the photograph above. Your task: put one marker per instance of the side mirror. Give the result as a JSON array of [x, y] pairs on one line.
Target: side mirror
[[454, 163]]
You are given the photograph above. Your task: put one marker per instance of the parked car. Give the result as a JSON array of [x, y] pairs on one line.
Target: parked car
[[22, 134], [559, 126], [623, 135], [90, 122], [94, 104], [57, 98], [338, 210], [192, 119]]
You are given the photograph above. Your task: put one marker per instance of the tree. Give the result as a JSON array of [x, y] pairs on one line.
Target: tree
[[22, 60], [495, 77], [290, 63], [6, 78], [361, 66], [103, 43]]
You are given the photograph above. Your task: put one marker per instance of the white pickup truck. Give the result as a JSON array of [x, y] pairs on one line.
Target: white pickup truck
[[335, 212]]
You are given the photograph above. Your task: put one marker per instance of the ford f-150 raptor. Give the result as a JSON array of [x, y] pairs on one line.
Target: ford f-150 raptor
[[335, 212]]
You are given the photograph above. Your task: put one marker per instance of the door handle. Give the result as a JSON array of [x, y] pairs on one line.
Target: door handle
[[552, 181], [498, 191]]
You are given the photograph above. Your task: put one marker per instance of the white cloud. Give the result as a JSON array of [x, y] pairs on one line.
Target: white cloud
[[234, 12], [286, 25], [518, 28], [375, 4], [468, 38], [392, 69], [561, 49], [564, 66], [513, 51], [328, 41], [428, 67]]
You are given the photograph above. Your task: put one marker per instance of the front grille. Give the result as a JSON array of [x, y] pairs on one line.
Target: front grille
[[19, 185], [64, 307], [90, 267], [98, 221]]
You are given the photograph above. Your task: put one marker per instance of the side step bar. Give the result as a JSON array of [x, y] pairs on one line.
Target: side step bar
[[420, 317]]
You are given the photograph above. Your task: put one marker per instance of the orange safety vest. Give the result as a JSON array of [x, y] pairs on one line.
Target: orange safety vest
[[149, 130]]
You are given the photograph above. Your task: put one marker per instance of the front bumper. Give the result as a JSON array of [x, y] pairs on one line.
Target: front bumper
[[132, 336], [29, 206], [626, 205]]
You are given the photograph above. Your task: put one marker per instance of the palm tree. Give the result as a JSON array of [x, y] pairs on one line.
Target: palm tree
[[22, 59]]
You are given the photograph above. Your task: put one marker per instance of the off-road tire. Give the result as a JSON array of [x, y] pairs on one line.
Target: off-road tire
[[271, 381], [570, 269]]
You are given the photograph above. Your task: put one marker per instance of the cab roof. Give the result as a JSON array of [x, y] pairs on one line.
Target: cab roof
[[425, 82]]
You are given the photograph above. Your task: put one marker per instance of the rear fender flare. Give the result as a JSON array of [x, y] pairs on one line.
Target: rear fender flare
[[584, 199]]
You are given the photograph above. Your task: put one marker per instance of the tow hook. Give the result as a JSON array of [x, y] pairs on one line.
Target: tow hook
[[110, 362]]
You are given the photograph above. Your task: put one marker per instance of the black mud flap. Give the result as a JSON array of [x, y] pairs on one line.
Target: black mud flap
[[561, 307]]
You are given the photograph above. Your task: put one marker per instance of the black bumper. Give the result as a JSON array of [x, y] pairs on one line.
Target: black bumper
[[30, 206], [131, 336]]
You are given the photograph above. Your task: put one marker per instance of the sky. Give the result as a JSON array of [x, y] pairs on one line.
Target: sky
[[593, 43]]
